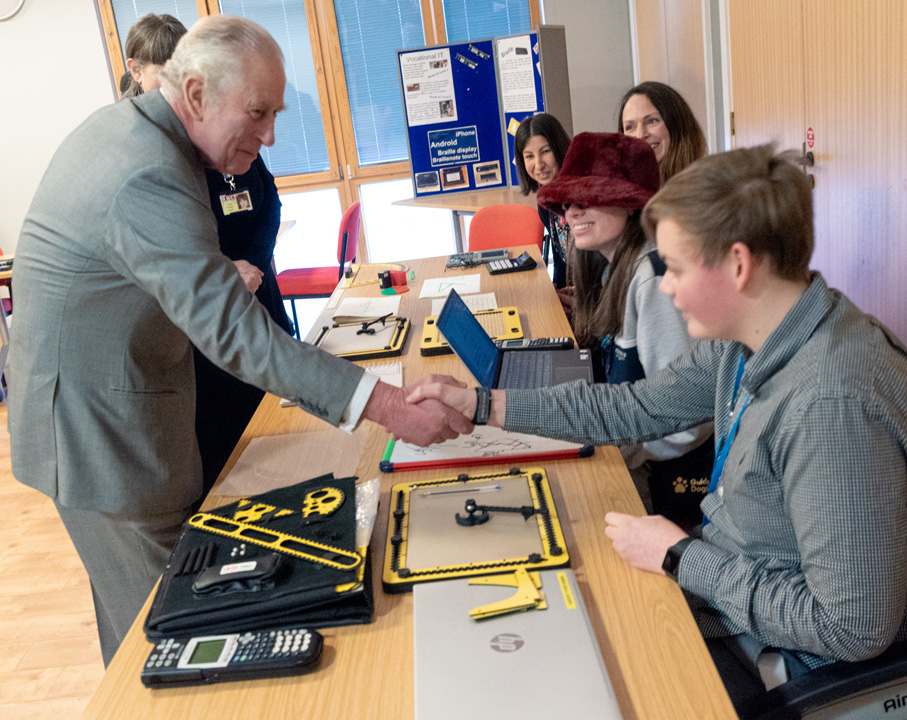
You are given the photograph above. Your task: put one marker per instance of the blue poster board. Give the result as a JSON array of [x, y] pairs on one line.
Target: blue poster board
[[522, 96], [453, 117]]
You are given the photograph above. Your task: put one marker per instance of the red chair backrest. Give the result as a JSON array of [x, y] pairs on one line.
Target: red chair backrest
[[503, 226], [349, 224]]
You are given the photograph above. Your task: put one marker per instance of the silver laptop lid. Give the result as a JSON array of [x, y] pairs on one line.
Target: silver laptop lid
[[537, 664]]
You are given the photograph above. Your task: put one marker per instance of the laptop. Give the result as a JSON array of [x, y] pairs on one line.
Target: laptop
[[496, 368], [533, 664]]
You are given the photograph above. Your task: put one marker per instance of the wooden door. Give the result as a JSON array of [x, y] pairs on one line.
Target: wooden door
[[856, 103], [834, 72]]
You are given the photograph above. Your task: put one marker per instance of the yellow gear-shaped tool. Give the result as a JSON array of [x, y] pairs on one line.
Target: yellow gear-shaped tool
[[246, 512], [322, 502]]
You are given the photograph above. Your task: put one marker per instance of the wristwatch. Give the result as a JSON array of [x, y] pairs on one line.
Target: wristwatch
[[671, 563]]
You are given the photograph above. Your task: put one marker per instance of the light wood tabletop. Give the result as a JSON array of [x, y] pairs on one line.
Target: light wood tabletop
[[656, 658]]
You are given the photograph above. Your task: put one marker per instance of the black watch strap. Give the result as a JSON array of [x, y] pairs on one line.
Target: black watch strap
[[483, 406], [671, 563]]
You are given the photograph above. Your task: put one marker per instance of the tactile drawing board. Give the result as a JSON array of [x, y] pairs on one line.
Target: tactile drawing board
[[346, 340], [499, 323], [425, 542]]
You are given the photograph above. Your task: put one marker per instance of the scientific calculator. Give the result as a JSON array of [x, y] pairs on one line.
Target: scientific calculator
[[235, 656]]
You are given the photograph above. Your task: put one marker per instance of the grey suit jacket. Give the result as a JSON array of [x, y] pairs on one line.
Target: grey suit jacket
[[118, 269]]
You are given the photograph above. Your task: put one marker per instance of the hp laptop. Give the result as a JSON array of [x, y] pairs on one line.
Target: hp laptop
[[496, 368], [533, 664]]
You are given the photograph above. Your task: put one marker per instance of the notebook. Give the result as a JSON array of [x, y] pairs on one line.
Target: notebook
[[533, 664], [496, 368]]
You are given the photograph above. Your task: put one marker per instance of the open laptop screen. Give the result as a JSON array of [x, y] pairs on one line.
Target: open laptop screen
[[469, 340]]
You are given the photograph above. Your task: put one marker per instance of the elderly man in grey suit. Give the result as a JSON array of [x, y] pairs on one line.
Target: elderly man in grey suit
[[118, 272]]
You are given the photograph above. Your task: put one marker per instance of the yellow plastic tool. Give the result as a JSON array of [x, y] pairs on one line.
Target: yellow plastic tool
[[528, 594]]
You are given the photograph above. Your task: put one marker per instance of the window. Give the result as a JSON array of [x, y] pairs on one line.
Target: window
[[467, 20], [370, 34], [343, 127]]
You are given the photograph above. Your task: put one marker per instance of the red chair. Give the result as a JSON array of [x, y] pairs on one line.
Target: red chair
[[503, 226], [319, 282]]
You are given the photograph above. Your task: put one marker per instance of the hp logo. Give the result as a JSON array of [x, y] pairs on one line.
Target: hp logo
[[506, 642]]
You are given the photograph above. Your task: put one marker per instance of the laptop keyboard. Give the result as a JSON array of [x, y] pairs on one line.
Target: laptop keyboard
[[527, 369]]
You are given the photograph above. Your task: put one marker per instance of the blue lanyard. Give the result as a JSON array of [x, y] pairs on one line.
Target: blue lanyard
[[724, 445]]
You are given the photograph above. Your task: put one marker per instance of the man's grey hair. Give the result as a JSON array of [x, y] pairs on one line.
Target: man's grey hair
[[216, 48]]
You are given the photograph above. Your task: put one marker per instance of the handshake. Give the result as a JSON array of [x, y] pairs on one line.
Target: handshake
[[435, 409]]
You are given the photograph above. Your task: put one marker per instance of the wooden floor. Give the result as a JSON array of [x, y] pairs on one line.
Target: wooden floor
[[50, 659]]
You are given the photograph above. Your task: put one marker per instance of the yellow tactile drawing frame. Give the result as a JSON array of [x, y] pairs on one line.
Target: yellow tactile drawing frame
[[433, 344], [398, 578]]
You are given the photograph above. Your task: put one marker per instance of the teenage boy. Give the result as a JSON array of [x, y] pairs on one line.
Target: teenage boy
[[802, 546]]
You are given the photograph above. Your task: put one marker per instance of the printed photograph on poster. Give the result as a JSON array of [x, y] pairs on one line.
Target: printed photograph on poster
[[454, 177], [428, 81], [427, 182], [455, 145], [517, 74], [488, 173]]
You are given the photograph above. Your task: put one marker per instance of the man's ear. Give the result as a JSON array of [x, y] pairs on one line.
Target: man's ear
[[741, 265], [194, 92]]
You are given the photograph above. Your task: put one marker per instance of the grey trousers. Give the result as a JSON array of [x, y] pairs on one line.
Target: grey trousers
[[124, 558]]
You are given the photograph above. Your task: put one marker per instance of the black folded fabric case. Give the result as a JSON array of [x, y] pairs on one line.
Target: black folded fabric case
[[267, 584]]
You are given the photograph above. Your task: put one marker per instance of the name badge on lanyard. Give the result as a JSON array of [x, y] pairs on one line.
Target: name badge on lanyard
[[236, 202]]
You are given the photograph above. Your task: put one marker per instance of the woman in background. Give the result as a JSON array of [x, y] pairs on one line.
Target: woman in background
[[247, 209], [656, 113], [149, 44], [632, 329], [539, 146]]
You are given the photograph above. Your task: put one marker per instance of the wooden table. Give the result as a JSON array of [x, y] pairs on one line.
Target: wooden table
[[657, 660], [467, 203]]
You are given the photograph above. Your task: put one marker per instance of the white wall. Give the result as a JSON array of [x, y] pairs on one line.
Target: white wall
[[54, 75], [599, 58]]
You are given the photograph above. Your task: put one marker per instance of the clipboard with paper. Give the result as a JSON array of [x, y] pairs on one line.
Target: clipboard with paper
[[382, 337]]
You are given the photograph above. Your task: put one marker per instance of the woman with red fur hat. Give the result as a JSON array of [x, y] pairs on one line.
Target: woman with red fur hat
[[633, 329]]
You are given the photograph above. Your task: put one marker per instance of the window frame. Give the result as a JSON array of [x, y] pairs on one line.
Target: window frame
[[345, 173]]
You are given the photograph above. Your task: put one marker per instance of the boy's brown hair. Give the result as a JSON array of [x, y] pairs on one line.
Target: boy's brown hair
[[755, 196]]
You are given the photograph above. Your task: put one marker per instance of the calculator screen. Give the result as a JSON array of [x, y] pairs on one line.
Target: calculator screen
[[207, 652]]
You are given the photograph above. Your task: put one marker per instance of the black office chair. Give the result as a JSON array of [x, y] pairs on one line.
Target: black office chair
[[866, 690]]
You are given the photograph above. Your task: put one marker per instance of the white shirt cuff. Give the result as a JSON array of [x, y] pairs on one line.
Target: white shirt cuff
[[353, 413]]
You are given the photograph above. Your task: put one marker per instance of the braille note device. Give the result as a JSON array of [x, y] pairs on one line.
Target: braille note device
[[235, 656], [555, 343], [509, 265]]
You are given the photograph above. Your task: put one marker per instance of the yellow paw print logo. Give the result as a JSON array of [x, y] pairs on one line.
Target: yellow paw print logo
[[680, 485]]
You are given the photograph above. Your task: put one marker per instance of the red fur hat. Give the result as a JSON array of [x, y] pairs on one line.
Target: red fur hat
[[603, 170]]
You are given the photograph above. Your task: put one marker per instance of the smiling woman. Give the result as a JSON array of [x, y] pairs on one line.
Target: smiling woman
[[540, 144], [656, 113]]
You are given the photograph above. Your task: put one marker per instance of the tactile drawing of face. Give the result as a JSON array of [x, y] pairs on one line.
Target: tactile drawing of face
[[641, 120]]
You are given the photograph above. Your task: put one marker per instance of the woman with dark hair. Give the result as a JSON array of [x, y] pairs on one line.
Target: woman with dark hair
[[656, 113], [247, 210], [539, 146], [632, 328], [149, 44]]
